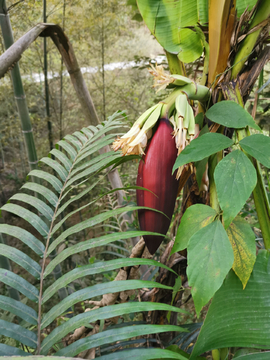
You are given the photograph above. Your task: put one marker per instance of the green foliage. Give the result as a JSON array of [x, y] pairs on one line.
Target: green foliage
[[255, 146], [230, 114], [234, 189], [242, 239], [210, 257], [68, 192], [75, 164], [202, 147], [244, 323]]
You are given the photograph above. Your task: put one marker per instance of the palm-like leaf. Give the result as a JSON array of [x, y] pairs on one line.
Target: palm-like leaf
[[74, 164]]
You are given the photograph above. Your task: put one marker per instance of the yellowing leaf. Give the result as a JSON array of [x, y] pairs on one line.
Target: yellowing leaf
[[221, 24], [242, 240]]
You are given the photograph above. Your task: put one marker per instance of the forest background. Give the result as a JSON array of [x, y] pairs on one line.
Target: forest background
[[113, 50], [103, 33]]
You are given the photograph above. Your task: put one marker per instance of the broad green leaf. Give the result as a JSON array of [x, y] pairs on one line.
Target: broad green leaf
[[191, 46], [96, 268], [202, 147], [242, 5], [106, 312], [237, 317], [51, 179], [69, 149], [91, 222], [165, 19], [6, 350], [40, 189], [29, 216], [210, 257], [230, 114], [143, 354], [21, 259], [235, 178], [202, 11], [40, 205], [62, 158], [18, 308], [61, 171], [18, 333], [25, 236], [242, 239], [111, 336], [195, 217], [258, 146], [20, 284]]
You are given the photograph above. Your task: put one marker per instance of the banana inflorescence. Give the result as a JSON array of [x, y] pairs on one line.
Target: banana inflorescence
[[160, 151], [155, 174]]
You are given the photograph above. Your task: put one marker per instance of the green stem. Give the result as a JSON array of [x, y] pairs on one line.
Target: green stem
[[169, 103], [196, 92], [212, 163], [224, 353], [175, 65], [247, 46]]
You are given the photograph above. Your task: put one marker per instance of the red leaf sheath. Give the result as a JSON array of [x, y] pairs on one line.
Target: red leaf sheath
[[155, 174]]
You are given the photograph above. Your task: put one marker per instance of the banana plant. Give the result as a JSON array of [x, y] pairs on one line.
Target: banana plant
[[220, 243]]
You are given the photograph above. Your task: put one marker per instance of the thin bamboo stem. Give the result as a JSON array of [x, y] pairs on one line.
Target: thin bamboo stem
[[18, 89], [20, 96], [46, 84]]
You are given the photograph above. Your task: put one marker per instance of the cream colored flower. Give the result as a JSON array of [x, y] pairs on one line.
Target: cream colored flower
[[161, 79]]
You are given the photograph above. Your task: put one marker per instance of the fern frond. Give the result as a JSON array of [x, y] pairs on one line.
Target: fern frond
[[96, 268], [20, 284], [25, 236], [90, 244], [106, 312], [18, 308], [41, 207], [111, 336], [28, 216], [21, 259], [18, 333], [11, 351], [42, 190], [65, 184]]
